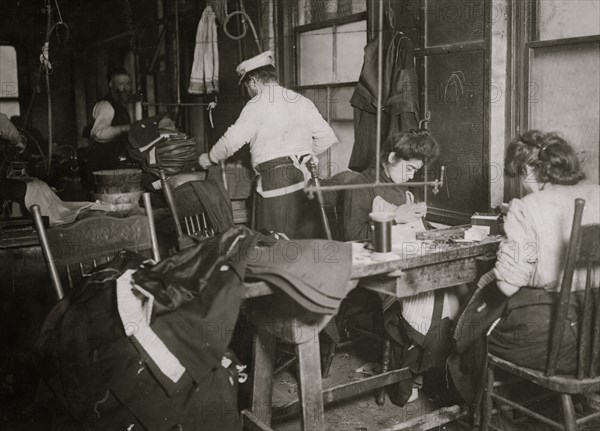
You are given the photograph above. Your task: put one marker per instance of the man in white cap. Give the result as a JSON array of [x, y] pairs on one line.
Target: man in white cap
[[284, 130]]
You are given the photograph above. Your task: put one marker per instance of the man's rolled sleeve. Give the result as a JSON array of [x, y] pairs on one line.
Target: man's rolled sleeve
[[238, 134], [103, 114]]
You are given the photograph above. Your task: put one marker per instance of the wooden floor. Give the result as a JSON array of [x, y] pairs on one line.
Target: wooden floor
[[363, 413], [360, 414]]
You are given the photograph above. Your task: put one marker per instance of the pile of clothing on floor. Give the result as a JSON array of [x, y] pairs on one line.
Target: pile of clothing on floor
[[144, 346]]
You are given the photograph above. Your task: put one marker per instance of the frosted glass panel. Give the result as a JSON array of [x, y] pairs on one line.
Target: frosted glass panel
[[351, 39], [341, 152], [568, 18], [564, 97], [9, 82], [309, 11], [340, 103], [318, 96], [316, 57], [10, 108]]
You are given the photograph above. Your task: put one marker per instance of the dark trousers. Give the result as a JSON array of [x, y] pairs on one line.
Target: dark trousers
[[281, 213]]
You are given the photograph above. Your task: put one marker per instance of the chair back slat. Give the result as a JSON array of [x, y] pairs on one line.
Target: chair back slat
[[86, 242], [585, 329], [47, 252], [562, 308], [595, 349]]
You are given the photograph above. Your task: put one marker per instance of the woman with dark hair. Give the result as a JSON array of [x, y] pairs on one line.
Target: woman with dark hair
[[517, 298], [530, 261], [405, 153], [419, 326]]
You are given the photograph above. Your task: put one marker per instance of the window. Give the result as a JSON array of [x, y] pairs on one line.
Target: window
[[329, 37], [9, 81], [560, 69]]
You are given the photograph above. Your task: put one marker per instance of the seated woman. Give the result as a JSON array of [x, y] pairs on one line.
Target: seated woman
[[530, 261], [519, 295], [422, 321], [405, 153]]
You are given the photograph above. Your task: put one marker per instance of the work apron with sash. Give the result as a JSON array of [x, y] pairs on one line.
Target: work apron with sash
[[279, 193]]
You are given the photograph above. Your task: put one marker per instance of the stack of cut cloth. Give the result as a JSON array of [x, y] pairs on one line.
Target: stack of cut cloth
[[157, 144], [314, 273]]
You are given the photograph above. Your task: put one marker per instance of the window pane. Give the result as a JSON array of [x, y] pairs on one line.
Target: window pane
[[341, 152], [318, 96], [351, 39], [340, 104], [309, 11], [316, 56], [564, 96], [9, 82], [572, 18], [10, 108]]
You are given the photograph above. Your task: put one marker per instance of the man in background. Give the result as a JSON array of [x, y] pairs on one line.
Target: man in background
[[108, 137]]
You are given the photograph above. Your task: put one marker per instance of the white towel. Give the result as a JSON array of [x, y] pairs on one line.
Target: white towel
[[205, 70], [58, 211]]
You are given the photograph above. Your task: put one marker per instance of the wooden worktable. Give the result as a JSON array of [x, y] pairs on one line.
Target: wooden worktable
[[413, 268]]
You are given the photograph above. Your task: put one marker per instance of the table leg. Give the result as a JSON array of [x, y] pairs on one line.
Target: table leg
[[311, 386], [262, 385]]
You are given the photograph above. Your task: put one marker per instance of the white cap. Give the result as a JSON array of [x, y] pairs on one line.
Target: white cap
[[263, 59]]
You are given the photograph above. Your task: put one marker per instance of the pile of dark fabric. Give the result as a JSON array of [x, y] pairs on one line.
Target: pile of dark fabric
[[99, 366], [141, 346], [157, 145]]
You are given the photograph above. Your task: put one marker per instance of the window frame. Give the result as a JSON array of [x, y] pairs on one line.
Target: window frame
[[294, 47], [4, 99]]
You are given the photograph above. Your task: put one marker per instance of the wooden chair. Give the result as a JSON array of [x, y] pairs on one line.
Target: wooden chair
[[583, 252], [79, 247], [195, 224]]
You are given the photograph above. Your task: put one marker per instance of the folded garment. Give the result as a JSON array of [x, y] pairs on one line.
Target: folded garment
[[321, 265], [315, 303], [306, 289]]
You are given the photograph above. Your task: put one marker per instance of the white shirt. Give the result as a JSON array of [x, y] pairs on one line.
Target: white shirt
[[277, 123], [103, 114], [538, 228]]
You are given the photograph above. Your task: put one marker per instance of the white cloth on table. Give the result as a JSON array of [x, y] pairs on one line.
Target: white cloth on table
[[57, 211], [204, 78]]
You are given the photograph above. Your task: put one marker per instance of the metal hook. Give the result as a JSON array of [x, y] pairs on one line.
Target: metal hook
[[425, 120]]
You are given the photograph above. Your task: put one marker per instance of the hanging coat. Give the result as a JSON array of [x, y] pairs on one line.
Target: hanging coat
[[400, 104]]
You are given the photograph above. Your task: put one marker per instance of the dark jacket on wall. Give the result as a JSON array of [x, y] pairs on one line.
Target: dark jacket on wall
[[400, 104]]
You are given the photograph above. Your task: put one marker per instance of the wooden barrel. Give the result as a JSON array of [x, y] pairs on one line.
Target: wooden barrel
[[118, 186]]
